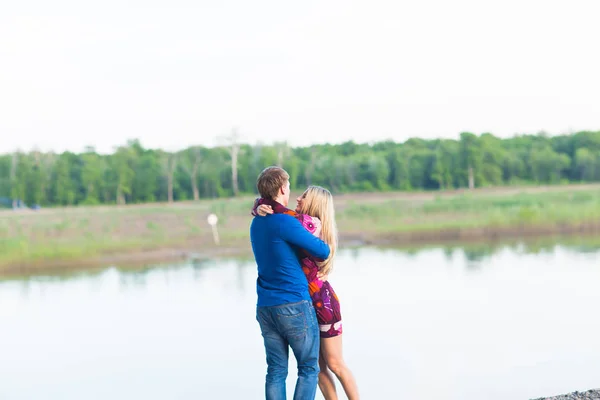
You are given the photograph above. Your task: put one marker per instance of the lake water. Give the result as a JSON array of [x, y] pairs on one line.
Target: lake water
[[432, 324]]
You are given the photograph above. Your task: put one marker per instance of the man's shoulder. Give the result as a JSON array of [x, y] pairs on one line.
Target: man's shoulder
[[286, 219], [276, 218], [271, 220]]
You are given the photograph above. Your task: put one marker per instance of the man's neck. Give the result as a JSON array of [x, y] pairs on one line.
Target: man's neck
[[279, 199]]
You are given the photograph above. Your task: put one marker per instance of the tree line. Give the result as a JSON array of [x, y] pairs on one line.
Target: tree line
[[134, 174]]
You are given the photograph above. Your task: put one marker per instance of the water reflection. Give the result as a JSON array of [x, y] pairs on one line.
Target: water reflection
[[475, 253], [241, 283], [483, 322]]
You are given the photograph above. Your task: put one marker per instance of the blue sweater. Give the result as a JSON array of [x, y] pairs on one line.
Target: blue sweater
[[275, 239]]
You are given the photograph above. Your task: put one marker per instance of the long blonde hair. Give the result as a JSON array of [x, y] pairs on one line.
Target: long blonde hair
[[318, 202]]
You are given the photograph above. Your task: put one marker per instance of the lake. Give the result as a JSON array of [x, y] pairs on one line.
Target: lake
[[427, 324]]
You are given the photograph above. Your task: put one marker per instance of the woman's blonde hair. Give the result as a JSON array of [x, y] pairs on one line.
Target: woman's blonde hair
[[318, 202]]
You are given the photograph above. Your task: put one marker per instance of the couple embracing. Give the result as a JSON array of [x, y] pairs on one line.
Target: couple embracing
[[297, 307]]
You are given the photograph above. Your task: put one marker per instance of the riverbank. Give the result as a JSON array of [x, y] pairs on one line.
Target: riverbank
[[110, 235]]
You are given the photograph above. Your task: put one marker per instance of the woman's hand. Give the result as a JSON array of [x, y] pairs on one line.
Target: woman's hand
[[264, 209]]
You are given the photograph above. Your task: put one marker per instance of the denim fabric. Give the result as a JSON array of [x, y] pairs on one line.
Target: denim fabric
[[290, 325]]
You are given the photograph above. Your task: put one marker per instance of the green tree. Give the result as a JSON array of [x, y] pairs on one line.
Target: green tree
[[135, 174], [63, 183], [586, 164], [147, 173], [547, 166], [190, 161], [123, 167], [91, 175], [398, 161], [35, 179], [472, 160], [169, 164]]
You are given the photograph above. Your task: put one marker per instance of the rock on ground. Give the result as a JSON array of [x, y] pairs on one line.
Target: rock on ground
[[593, 394]]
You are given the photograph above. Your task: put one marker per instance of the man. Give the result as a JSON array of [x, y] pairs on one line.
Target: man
[[284, 310]]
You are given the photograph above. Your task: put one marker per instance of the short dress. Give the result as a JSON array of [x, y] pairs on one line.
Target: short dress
[[325, 301]]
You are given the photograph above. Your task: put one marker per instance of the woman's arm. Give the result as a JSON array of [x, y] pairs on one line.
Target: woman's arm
[[311, 224], [296, 233], [264, 209]]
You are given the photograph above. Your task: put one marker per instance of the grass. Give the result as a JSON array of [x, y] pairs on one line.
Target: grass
[[83, 233], [467, 211]]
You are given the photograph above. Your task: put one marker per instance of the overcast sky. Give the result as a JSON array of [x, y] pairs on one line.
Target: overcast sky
[[175, 73]]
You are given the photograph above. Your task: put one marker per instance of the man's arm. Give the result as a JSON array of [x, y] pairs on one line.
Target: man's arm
[[293, 232]]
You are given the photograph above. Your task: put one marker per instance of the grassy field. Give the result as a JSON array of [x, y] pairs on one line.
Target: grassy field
[[84, 236]]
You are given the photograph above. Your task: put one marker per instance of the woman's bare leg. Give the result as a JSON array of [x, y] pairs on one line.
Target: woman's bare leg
[[331, 351], [326, 381]]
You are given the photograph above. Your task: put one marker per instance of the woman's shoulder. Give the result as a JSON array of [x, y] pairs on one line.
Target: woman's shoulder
[[312, 224], [308, 218], [315, 220]]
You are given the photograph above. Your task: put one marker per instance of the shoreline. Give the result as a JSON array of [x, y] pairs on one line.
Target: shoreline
[[200, 249], [78, 238]]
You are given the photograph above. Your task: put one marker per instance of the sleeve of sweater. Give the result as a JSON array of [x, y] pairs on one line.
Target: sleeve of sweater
[[294, 233]]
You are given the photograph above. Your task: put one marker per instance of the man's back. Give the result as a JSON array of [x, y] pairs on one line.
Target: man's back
[[280, 277]]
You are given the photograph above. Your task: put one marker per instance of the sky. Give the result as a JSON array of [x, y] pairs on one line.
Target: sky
[[179, 73]]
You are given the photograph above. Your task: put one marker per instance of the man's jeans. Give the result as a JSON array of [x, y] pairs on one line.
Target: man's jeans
[[294, 325]]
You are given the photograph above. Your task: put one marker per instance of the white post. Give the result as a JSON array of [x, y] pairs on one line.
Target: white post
[[212, 221]]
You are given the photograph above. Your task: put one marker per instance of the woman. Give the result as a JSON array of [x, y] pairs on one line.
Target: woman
[[316, 212]]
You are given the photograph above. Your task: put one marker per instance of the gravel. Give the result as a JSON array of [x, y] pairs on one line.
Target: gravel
[[593, 394]]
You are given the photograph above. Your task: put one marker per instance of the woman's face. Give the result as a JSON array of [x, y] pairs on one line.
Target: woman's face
[[299, 201]]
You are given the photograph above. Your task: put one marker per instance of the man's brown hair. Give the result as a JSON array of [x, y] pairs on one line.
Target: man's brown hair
[[270, 180]]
